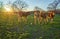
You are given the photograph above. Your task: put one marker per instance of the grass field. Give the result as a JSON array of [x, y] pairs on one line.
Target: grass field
[[10, 28]]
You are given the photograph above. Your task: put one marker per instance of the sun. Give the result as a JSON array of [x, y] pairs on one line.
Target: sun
[[7, 9]]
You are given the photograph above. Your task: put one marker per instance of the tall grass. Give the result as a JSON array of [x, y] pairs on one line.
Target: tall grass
[[10, 28]]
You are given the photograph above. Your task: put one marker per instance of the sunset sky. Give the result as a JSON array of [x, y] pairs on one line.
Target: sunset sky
[[32, 3]]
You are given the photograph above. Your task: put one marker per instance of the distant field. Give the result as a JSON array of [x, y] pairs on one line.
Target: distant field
[[10, 28]]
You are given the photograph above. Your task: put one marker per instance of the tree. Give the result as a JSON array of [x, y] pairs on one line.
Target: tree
[[52, 6], [1, 6], [19, 5], [38, 9]]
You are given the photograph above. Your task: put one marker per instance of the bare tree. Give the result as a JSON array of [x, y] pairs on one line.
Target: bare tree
[[19, 5], [1, 6], [52, 6], [38, 9]]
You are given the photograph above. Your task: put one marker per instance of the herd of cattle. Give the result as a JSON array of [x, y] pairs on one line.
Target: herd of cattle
[[40, 16], [43, 16]]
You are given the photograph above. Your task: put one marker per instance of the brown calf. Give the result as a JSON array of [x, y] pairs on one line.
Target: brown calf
[[23, 15], [36, 16], [51, 15]]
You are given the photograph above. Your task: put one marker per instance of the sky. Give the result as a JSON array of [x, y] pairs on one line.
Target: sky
[[32, 3], [40, 3]]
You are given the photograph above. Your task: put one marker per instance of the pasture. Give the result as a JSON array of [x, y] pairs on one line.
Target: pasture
[[10, 28]]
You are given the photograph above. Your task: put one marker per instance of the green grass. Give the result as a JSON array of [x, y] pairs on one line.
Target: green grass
[[10, 28]]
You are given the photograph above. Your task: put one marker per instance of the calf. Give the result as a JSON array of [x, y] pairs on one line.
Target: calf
[[36, 16], [23, 15], [51, 15], [43, 17]]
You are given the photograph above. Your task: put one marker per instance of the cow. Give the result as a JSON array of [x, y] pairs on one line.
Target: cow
[[36, 16], [43, 16], [47, 16], [23, 16], [51, 15]]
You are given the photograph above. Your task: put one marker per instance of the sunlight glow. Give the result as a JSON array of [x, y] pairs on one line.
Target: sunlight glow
[[8, 9]]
